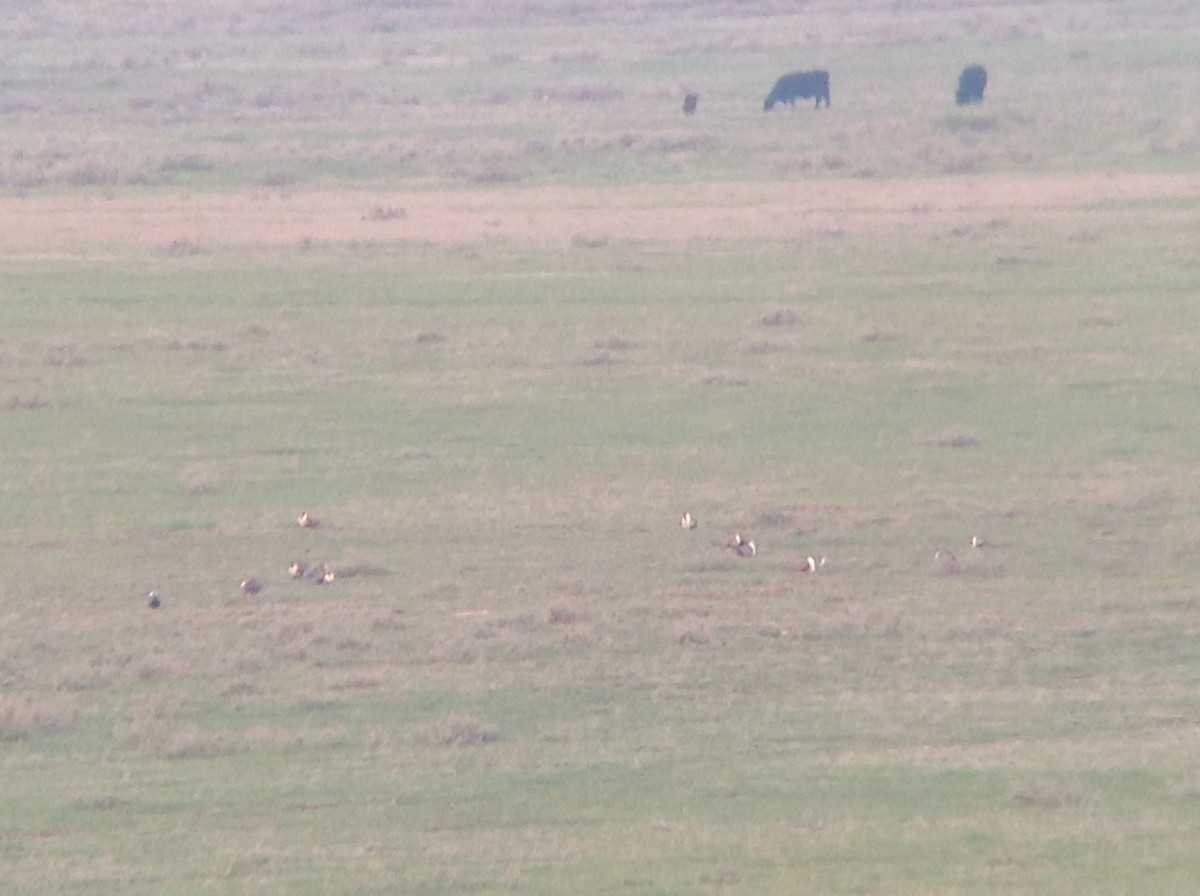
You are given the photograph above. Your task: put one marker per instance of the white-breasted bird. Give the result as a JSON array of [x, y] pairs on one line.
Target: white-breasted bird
[[307, 521], [687, 522]]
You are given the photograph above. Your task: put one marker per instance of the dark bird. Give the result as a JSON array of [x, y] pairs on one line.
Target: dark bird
[[690, 102], [154, 601], [741, 546], [945, 561], [251, 586]]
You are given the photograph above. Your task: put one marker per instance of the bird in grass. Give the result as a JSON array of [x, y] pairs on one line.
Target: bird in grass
[[945, 561], [977, 541], [812, 564], [298, 569], [153, 601], [687, 522], [251, 586], [308, 521], [322, 574], [743, 547]]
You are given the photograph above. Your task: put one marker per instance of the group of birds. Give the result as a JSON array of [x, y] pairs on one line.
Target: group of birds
[[323, 573], [320, 573], [745, 547], [945, 560]]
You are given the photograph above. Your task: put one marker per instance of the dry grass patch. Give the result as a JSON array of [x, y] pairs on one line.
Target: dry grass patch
[[278, 738], [92, 173], [277, 179], [23, 717], [563, 616], [64, 354], [614, 344], [353, 569], [1049, 793], [151, 724], [1187, 790], [724, 379], [457, 731], [190, 163], [656, 213], [578, 91], [876, 333], [385, 213], [767, 347], [159, 666], [781, 317], [23, 402], [200, 478], [960, 123], [953, 437], [393, 621], [186, 742], [356, 683], [182, 248], [602, 359], [106, 803], [775, 519]]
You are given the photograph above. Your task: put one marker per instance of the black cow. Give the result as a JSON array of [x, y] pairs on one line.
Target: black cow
[[689, 103], [799, 85], [970, 85]]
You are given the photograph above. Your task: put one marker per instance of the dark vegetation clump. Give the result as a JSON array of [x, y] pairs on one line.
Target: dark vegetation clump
[[781, 317], [459, 731]]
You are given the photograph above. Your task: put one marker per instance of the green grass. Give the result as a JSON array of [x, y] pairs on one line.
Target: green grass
[[527, 678], [884, 726]]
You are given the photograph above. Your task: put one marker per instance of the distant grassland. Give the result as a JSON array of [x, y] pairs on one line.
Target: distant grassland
[[446, 94], [498, 340]]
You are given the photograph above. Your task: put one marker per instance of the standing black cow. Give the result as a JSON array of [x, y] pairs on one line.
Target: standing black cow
[[799, 85], [970, 85]]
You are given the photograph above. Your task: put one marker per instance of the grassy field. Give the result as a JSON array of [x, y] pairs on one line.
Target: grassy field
[[463, 282]]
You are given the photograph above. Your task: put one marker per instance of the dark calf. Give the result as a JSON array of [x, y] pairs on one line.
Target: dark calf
[[971, 83]]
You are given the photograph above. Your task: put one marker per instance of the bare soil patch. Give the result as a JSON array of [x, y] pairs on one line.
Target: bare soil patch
[[90, 226]]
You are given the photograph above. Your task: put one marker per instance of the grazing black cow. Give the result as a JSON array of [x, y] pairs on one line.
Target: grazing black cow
[[970, 85], [689, 103], [799, 85]]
